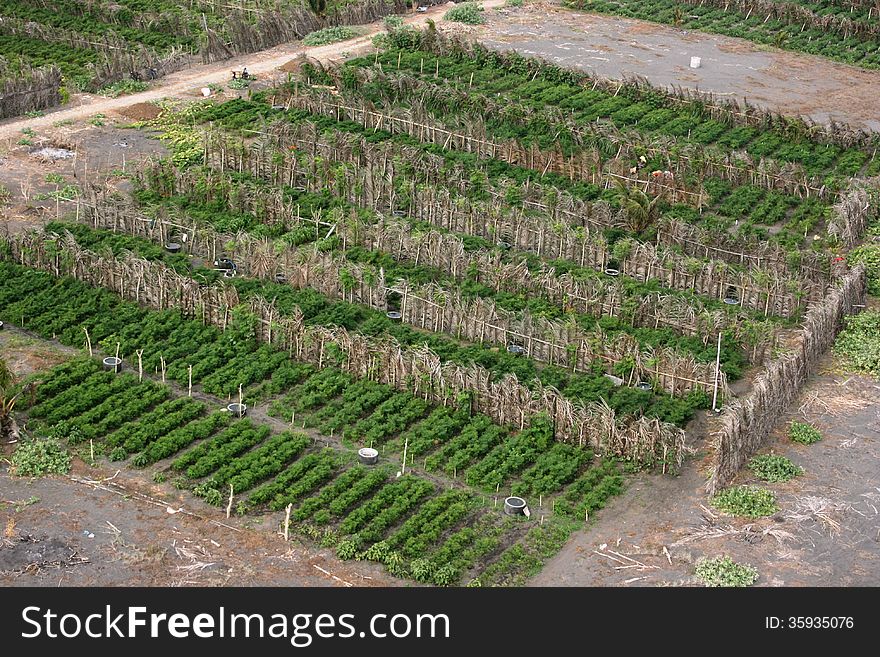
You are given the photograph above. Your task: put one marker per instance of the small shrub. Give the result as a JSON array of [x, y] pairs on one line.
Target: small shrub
[[118, 454], [33, 458], [446, 575], [67, 431], [869, 254], [378, 552], [723, 571], [347, 549], [858, 345], [747, 501], [240, 83], [805, 434], [774, 468], [513, 3], [396, 564], [329, 35], [469, 13], [122, 88], [422, 570], [393, 22]]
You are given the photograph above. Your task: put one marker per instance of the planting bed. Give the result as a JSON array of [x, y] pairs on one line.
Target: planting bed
[[844, 30]]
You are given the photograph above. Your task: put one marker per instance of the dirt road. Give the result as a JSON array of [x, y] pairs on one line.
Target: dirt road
[[783, 81], [262, 64]]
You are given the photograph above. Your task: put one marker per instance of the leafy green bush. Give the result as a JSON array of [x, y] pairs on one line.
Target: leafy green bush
[[723, 571], [393, 22], [347, 549], [123, 87], [33, 458], [774, 468], [329, 35], [805, 434], [468, 13], [513, 3], [747, 501], [859, 343], [869, 254]]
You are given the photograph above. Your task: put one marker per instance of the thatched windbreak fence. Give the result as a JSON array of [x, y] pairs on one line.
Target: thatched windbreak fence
[[418, 370], [265, 27], [588, 165], [429, 307], [748, 421], [447, 253], [790, 12], [857, 207], [117, 59], [371, 181], [680, 156], [28, 90]]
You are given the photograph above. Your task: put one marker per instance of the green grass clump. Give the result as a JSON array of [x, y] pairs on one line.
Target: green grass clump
[[805, 434], [858, 345], [746, 501], [33, 458], [774, 468], [723, 571], [329, 35], [469, 13]]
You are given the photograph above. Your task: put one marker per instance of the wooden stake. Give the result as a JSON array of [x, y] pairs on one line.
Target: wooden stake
[[140, 355], [88, 342], [190, 393], [717, 366], [92, 450], [162, 361], [287, 522], [229, 506]]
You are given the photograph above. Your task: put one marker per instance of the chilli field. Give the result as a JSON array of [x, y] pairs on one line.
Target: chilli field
[[506, 278], [50, 49], [844, 30]]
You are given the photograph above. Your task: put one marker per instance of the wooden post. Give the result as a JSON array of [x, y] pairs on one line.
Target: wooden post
[[140, 354], [88, 342], [287, 522], [717, 367], [190, 393], [403, 464], [162, 361], [229, 506]]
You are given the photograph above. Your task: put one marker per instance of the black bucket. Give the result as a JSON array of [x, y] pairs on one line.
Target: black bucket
[[172, 247]]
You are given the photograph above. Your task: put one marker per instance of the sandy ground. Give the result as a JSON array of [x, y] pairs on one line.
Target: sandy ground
[[782, 81], [827, 532]]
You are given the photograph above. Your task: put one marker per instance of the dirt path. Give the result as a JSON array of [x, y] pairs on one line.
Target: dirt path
[[183, 83], [779, 80], [827, 532]]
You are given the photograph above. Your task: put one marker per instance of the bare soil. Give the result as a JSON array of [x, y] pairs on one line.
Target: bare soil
[[783, 81], [827, 532]]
